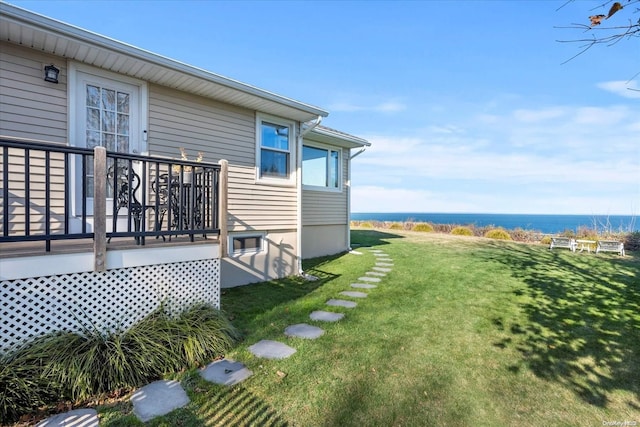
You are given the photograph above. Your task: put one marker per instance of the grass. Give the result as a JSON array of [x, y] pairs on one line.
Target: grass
[[463, 331]]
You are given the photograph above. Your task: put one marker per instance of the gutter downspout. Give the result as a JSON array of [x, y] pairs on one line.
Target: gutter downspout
[[362, 150], [303, 131]]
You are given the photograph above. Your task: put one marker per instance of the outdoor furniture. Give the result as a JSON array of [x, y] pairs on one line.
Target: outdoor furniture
[[563, 242], [585, 244], [610, 246], [183, 197], [125, 183]]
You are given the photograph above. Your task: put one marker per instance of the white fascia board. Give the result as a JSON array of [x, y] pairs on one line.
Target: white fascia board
[[334, 137]]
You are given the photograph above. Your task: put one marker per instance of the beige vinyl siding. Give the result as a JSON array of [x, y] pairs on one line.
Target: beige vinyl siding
[[31, 107], [259, 206], [327, 207], [37, 194], [220, 131]]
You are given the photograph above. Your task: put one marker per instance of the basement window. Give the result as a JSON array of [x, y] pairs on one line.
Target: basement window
[[246, 243]]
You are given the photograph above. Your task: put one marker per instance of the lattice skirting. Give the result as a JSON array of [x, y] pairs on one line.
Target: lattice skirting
[[110, 300]]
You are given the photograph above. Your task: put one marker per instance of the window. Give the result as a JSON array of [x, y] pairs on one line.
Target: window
[[246, 243], [275, 149], [320, 167]]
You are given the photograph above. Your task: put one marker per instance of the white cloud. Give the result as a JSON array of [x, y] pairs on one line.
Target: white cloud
[[535, 116], [562, 159], [627, 89], [388, 106]]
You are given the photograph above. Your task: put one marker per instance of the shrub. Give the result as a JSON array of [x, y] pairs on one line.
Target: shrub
[[366, 225], [498, 233], [462, 231], [632, 241], [521, 235], [546, 240], [422, 226], [396, 226], [22, 388], [80, 365]]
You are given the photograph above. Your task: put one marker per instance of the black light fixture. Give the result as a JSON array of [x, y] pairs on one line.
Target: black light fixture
[[51, 73]]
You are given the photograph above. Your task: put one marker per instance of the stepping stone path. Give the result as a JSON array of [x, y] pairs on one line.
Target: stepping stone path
[[326, 316], [225, 372], [341, 303], [158, 398], [271, 349], [77, 417], [161, 397], [354, 294], [363, 286], [302, 330]]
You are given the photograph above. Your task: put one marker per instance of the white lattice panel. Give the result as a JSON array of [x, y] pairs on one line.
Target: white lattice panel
[[111, 300]]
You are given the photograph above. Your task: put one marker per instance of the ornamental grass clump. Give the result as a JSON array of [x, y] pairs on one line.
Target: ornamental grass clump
[[22, 388], [76, 366], [462, 231], [423, 227], [396, 226], [498, 233]]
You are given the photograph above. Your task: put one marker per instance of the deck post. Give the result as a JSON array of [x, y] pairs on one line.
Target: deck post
[[100, 209], [223, 205]]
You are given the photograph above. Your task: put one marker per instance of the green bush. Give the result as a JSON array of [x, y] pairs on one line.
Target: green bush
[[498, 233], [22, 388], [366, 225], [422, 226], [396, 226], [546, 240], [79, 365], [462, 231], [632, 241]]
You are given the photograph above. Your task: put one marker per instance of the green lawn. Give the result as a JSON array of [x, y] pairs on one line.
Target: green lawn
[[463, 331]]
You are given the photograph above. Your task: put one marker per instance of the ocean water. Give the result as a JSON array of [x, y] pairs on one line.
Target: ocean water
[[544, 223]]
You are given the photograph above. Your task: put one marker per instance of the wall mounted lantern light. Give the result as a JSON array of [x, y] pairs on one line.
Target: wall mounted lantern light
[[51, 73]]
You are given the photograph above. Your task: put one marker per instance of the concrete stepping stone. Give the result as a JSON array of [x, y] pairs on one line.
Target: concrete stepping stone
[[77, 417], [341, 303], [369, 279], [271, 349], [384, 264], [354, 294], [326, 316], [382, 269], [380, 254], [375, 273], [158, 398], [376, 250], [225, 372], [363, 286], [302, 330]]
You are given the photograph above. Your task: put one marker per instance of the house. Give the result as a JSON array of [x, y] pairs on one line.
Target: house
[[103, 220]]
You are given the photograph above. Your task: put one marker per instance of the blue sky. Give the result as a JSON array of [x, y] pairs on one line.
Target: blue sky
[[467, 104]]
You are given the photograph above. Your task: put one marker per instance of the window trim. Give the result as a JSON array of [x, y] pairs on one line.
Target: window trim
[[253, 251], [329, 149], [290, 180]]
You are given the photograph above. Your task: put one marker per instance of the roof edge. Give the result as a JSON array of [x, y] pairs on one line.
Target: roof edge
[[333, 133]]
